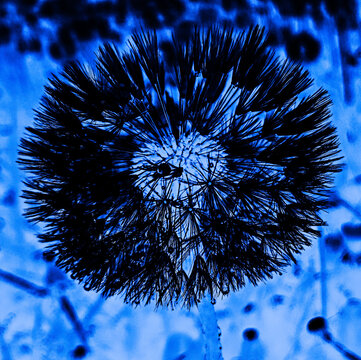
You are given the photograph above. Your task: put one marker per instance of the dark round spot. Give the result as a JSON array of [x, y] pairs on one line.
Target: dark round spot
[[54, 276], [5, 34], [297, 270], [207, 15], [83, 29], [3, 11], [104, 8], [79, 352], [103, 27], [25, 349], [291, 8], [303, 47], [242, 18], [250, 334], [171, 11], [28, 3], [184, 30], [358, 259], [55, 51], [351, 136], [316, 324], [48, 9], [352, 230], [334, 241], [344, 11], [274, 37], [164, 169], [147, 11], [351, 59], [248, 308], [2, 223], [346, 257], [9, 198], [70, 8], [317, 276], [230, 5], [277, 299], [48, 256], [167, 49], [333, 201], [22, 46], [177, 172], [66, 40], [358, 179], [34, 45], [29, 45], [31, 18], [120, 12]]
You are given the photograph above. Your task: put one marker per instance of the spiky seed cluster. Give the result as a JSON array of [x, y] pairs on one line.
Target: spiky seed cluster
[[161, 176]]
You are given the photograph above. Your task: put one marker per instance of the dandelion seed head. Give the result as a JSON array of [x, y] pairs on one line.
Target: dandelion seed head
[[163, 178]]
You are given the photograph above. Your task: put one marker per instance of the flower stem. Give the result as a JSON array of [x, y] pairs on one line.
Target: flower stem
[[210, 329]]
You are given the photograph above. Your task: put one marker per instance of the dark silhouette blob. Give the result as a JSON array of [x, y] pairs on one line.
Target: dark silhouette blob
[[250, 334], [316, 324], [334, 242], [303, 47], [249, 308], [351, 229]]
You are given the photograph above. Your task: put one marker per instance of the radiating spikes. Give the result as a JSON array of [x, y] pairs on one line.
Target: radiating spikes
[[161, 178], [110, 65], [145, 49]]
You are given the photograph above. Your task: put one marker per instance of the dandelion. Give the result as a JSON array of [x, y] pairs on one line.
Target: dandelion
[[164, 173]]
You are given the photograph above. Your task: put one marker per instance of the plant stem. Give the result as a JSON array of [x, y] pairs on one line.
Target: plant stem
[[210, 329]]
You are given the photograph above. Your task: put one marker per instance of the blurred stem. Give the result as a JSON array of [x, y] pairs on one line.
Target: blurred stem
[[323, 276], [327, 336], [69, 310], [343, 42], [210, 329], [23, 284]]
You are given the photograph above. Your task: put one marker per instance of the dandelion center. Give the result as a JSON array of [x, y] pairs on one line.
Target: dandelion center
[[179, 171]]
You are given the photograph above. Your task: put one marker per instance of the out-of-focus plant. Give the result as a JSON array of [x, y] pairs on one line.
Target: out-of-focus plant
[[318, 326]]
